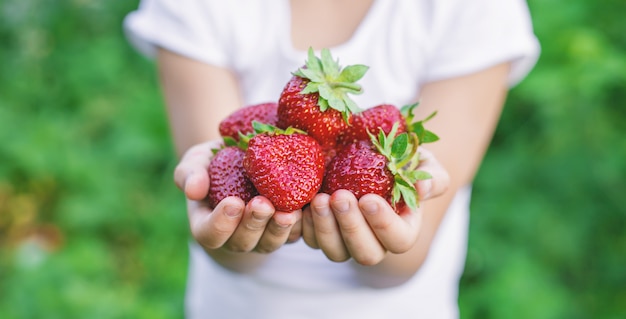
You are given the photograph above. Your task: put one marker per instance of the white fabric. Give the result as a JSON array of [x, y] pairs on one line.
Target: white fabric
[[406, 43]]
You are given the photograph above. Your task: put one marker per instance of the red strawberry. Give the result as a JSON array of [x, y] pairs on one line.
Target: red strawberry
[[227, 176], [285, 166], [316, 100], [361, 169], [382, 116], [241, 120], [385, 166]]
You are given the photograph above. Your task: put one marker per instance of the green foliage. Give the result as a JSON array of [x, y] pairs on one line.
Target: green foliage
[[547, 233], [91, 225]]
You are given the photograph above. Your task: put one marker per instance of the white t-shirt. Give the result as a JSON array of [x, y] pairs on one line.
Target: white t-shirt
[[406, 43]]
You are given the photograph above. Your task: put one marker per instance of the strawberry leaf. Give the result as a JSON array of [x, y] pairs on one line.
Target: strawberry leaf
[[383, 141], [260, 128], [429, 117], [313, 75], [311, 87], [332, 82], [399, 146], [326, 96], [407, 112], [329, 66], [312, 62], [407, 191], [337, 102], [352, 107], [417, 128], [229, 141], [423, 135], [323, 104], [428, 137], [403, 182], [353, 73], [410, 197], [419, 175]]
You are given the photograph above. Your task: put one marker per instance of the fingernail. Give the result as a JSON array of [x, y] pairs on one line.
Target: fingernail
[[341, 206], [284, 225], [232, 211], [369, 207], [188, 181], [321, 210]]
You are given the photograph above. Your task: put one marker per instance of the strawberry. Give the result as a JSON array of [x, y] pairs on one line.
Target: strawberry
[[385, 165], [241, 120], [359, 168], [286, 166], [227, 176], [382, 116], [316, 99]]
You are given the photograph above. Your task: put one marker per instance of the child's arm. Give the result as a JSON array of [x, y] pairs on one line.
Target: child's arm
[[468, 110], [198, 96]]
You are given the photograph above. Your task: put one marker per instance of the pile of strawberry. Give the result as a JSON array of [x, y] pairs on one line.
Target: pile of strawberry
[[316, 139]]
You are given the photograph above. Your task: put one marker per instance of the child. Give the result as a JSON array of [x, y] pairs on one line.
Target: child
[[456, 57]]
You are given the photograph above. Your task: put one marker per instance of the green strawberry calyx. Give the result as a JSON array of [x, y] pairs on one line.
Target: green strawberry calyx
[[242, 143], [259, 128], [262, 128], [228, 141], [403, 158], [331, 82], [417, 127]]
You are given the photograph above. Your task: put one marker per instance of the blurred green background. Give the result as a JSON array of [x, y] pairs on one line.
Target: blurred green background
[[91, 225]]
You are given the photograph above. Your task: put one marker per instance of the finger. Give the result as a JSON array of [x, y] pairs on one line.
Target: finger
[[296, 230], [397, 232], [438, 184], [256, 216], [196, 185], [278, 231], [326, 231], [212, 228], [190, 175], [308, 230], [357, 235]]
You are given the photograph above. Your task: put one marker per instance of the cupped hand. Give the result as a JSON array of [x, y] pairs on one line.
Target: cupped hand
[[232, 225], [365, 229]]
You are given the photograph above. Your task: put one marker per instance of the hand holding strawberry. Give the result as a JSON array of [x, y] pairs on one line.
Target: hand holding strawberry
[[365, 229], [232, 225], [386, 165], [369, 164]]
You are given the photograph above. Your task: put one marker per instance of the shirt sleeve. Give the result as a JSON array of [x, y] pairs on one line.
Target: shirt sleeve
[[192, 28], [469, 36]]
